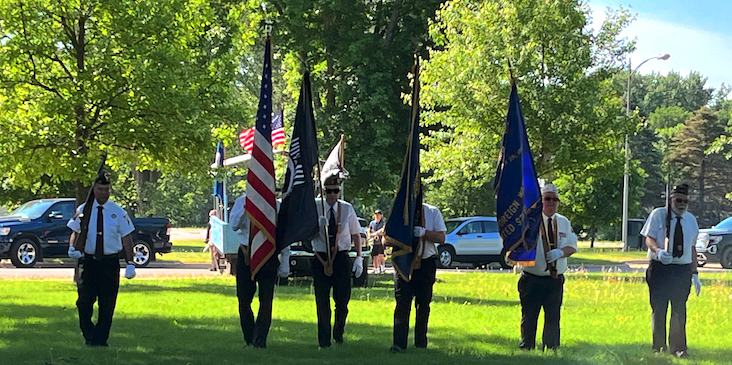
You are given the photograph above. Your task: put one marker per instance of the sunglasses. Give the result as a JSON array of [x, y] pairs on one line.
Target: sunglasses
[[332, 191], [679, 200], [550, 199]]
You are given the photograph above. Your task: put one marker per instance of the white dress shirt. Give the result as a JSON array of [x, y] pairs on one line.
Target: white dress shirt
[[116, 225], [349, 225], [565, 238], [432, 222], [655, 228]]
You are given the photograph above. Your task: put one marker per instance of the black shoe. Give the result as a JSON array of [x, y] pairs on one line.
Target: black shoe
[[338, 341], [659, 349], [395, 349], [525, 347], [681, 354]]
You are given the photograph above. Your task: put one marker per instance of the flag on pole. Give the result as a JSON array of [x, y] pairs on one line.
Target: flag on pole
[[406, 213], [518, 199], [246, 137], [333, 165], [219, 162], [260, 205], [298, 218], [278, 129]]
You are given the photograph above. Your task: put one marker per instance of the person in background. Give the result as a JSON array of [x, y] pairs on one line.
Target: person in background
[[376, 234], [672, 269], [215, 254]]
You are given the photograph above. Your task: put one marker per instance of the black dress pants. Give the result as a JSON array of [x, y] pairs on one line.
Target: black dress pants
[[255, 333], [537, 292], [669, 283], [340, 281], [99, 281], [419, 288]]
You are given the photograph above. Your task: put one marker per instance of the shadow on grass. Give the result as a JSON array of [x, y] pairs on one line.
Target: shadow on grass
[[50, 335]]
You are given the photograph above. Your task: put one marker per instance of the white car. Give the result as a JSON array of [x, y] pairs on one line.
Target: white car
[[473, 240]]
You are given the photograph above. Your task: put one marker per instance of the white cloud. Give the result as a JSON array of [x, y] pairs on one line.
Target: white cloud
[[691, 49]]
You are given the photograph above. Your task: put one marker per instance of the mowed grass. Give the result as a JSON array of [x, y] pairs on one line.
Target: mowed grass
[[474, 320], [191, 251]]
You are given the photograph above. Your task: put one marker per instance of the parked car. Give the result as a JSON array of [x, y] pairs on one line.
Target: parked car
[[715, 244], [38, 230], [472, 240], [364, 226]]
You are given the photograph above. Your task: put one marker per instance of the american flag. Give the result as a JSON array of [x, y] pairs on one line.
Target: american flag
[[260, 205], [246, 137]]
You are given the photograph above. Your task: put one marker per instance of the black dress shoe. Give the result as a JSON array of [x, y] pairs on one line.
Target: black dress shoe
[[681, 354], [525, 347], [395, 349]]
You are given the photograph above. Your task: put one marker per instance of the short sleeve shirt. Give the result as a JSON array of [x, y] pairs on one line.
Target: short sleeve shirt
[[655, 228], [433, 221], [117, 224], [348, 225], [565, 238]]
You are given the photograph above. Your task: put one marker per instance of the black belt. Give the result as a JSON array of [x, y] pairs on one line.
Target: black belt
[[110, 255], [540, 276]]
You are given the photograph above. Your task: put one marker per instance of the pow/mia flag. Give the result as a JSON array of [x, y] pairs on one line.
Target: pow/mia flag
[[298, 219]]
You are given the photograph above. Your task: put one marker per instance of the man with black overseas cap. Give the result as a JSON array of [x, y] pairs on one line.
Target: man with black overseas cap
[[110, 232], [542, 285], [335, 272], [670, 237]]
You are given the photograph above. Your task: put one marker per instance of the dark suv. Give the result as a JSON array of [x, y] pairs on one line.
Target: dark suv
[[715, 244]]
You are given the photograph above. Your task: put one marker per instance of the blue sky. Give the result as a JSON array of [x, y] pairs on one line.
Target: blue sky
[[697, 34]]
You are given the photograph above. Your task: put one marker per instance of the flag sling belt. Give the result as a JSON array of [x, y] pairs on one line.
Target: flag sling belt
[[328, 264]]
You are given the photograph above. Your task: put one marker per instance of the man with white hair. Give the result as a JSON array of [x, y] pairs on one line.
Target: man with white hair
[[542, 285], [672, 269]]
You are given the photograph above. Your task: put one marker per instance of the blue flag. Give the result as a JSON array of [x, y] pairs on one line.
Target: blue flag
[[219, 161], [298, 219], [406, 212], [518, 198]]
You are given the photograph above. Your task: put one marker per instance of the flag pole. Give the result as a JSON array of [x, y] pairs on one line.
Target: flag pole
[[343, 164], [322, 206]]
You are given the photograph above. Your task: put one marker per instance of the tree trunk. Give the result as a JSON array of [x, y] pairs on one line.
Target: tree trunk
[[143, 179]]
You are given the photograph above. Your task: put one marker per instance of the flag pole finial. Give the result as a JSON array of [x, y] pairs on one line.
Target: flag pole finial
[[268, 27], [511, 74]]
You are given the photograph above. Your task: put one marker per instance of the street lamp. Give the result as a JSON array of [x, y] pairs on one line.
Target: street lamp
[[626, 175]]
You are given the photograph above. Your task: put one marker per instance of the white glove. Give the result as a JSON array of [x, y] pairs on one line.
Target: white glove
[[284, 270], [418, 231], [130, 271], [73, 253], [554, 255], [664, 256], [358, 266], [322, 221], [697, 283]]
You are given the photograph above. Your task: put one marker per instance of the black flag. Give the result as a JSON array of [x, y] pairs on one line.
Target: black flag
[[298, 219]]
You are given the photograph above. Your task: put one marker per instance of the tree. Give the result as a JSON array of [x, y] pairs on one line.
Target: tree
[[707, 174], [564, 73], [143, 81], [360, 53]]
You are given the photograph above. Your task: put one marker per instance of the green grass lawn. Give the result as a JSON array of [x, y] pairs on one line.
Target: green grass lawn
[[474, 320], [191, 251]]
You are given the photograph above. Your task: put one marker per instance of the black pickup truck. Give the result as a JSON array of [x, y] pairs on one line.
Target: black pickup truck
[[38, 230], [714, 245]]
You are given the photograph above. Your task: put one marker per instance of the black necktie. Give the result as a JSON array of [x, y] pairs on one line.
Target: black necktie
[[99, 249], [678, 250], [550, 233], [332, 227]]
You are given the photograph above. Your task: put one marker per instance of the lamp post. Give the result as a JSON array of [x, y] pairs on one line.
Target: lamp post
[[626, 175]]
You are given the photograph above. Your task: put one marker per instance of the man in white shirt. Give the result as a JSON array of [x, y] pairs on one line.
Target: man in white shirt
[[341, 223], [255, 333], [421, 284], [110, 231], [542, 285], [672, 269]]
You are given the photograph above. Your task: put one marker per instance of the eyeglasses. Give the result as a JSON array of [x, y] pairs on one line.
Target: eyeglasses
[[332, 191], [550, 199], [679, 200]]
